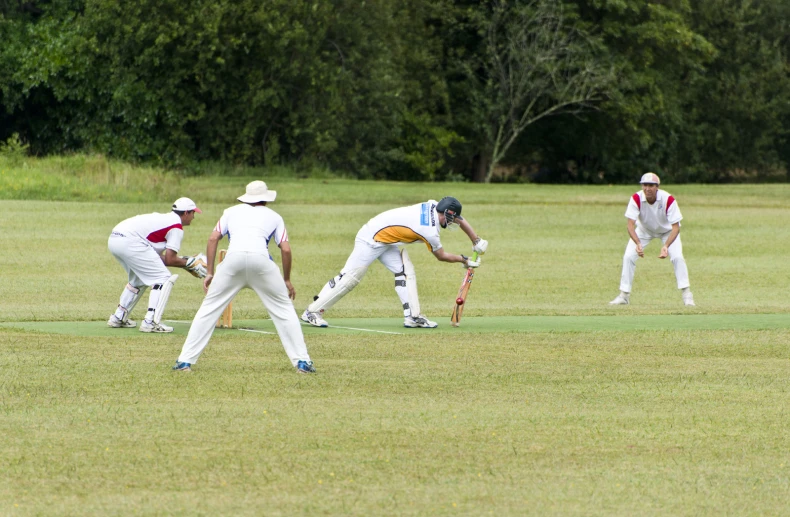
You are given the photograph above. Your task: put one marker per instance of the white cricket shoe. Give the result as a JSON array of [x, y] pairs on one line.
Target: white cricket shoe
[[419, 322], [115, 323], [314, 319], [622, 299], [688, 299], [157, 328]]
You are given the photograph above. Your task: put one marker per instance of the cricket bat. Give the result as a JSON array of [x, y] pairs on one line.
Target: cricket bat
[[460, 301]]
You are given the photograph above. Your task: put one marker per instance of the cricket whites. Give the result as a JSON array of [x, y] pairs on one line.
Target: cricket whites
[[460, 301], [226, 320]]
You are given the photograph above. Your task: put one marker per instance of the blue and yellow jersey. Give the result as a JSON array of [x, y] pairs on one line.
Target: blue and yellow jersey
[[405, 225]]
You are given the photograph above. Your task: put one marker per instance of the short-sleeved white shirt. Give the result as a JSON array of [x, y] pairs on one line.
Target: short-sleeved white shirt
[[250, 228], [656, 219], [404, 225], [160, 231]]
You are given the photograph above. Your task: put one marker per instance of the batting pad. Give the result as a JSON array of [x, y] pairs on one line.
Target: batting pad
[[163, 297], [129, 298], [337, 288], [411, 283]]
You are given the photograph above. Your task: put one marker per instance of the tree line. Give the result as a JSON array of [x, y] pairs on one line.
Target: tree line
[[593, 91]]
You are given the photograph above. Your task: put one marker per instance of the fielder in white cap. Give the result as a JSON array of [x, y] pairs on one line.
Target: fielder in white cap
[[653, 214], [250, 227], [146, 245]]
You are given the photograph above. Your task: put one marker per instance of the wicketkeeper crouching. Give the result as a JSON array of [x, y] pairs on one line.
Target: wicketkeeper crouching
[[146, 245]]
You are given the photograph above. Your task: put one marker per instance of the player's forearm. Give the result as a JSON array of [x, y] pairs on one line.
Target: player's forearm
[[171, 259], [672, 235], [287, 259], [632, 232], [468, 230], [443, 256], [211, 251]]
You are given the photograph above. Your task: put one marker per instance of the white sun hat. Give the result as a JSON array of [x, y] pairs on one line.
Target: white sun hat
[[184, 204], [650, 177], [257, 192]]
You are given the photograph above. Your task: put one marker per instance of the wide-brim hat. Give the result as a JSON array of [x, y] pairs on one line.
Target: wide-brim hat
[[650, 177], [257, 192]]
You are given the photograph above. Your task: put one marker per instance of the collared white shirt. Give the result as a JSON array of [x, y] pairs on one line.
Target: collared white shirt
[[656, 219], [405, 225], [250, 228], [160, 231]]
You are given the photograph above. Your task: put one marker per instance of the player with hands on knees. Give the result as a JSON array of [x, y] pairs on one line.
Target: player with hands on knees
[[653, 214], [379, 239]]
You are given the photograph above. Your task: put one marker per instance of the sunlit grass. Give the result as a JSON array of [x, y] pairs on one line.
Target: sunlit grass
[[661, 422], [590, 423]]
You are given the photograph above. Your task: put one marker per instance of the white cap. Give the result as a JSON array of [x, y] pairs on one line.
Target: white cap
[[650, 177], [184, 204], [257, 192]]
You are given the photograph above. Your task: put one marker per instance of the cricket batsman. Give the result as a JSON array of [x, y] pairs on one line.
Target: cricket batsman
[[379, 239]]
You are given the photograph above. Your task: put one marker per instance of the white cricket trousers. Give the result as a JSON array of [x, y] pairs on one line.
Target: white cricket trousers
[[143, 266], [365, 254], [675, 256], [142, 263], [238, 270]]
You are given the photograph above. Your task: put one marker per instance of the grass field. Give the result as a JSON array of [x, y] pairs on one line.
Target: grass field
[[546, 401]]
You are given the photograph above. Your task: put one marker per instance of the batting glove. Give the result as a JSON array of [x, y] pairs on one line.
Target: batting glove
[[196, 265], [469, 262], [480, 246]]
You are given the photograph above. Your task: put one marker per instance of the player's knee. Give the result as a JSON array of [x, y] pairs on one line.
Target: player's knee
[[159, 282], [400, 279]]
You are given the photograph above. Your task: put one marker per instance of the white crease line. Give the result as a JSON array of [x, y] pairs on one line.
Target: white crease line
[[246, 330], [306, 324], [258, 331], [353, 328]]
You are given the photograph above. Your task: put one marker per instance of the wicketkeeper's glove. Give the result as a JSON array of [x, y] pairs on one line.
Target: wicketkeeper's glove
[[196, 265], [480, 246]]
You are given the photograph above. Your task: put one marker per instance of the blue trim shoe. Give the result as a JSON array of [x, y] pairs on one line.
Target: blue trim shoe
[[305, 367], [182, 367]]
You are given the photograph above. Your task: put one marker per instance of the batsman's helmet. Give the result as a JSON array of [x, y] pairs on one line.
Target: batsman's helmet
[[451, 208]]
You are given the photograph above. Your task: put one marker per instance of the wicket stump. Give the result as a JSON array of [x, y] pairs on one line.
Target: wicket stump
[[226, 320]]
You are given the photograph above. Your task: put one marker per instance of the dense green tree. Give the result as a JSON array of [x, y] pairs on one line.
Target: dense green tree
[[405, 90], [315, 82], [655, 50], [702, 95], [537, 63], [736, 111]]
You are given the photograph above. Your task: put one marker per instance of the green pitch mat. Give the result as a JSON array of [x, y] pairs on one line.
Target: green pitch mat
[[471, 324]]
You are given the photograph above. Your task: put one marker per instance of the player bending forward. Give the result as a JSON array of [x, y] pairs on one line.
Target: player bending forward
[[653, 214], [138, 244], [379, 239], [249, 226]]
